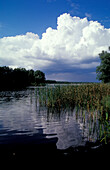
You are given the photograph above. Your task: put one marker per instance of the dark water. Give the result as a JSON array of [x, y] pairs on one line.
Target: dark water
[[23, 121]]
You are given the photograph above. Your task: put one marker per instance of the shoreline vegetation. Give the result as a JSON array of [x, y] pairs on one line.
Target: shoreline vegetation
[[19, 78], [92, 100]]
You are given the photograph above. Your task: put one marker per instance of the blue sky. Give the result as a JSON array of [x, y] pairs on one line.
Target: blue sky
[[21, 16], [31, 27]]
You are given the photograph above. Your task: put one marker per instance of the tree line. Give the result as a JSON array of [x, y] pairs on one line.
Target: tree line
[[19, 77]]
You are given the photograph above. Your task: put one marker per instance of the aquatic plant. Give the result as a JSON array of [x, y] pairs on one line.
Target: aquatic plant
[[90, 96], [106, 103], [93, 100]]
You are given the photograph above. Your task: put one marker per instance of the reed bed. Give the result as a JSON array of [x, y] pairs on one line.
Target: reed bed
[[93, 100], [90, 97]]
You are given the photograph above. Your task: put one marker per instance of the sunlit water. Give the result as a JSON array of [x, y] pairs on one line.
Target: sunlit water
[[21, 115]]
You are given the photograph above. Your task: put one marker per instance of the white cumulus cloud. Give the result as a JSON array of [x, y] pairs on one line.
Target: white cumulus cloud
[[74, 42]]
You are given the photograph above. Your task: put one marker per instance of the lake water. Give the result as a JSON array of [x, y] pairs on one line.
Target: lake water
[[22, 120]]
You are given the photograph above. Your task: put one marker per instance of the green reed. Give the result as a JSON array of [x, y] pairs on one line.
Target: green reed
[[90, 96], [92, 99]]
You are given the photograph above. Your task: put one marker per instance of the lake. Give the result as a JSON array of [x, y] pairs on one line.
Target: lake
[[24, 121]]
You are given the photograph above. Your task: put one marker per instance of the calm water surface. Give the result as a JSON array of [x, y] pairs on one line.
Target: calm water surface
[[21, 118]]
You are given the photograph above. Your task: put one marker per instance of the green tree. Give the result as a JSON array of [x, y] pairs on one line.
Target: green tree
[[103, 70], [31, 78], [39, 77], [20, 77], [5, 77]]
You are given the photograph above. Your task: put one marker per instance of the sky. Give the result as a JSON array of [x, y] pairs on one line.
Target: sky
[[62, 38]]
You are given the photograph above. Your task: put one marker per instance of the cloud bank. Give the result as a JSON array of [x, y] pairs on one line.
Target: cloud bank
[[74, 44]]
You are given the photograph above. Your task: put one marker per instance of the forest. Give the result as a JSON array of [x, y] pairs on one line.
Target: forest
[[19, 78]]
